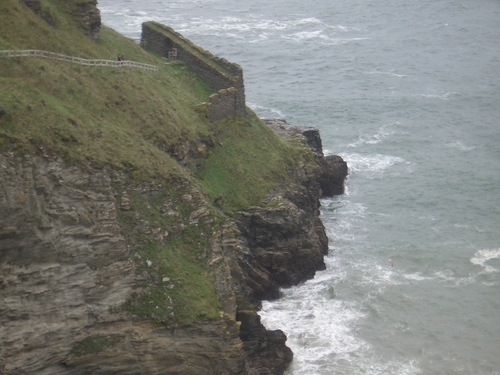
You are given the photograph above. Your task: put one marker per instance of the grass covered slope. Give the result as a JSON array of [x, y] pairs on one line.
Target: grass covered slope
[[143, 124]]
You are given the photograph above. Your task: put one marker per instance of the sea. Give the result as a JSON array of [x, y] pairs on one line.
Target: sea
[[408, 93]]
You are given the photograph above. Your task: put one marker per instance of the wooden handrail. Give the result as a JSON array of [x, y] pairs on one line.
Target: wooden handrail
[[76, 60]]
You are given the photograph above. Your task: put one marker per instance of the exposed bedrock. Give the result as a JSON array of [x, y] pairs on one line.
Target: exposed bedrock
[[333, 169], [65, 266], [66, 263], [283, 244], [266, 351]]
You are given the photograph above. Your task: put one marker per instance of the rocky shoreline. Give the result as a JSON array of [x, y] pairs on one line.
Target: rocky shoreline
[[287, 244]]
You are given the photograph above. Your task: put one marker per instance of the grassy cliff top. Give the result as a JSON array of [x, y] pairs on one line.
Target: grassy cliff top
[[133, 120], [127, 118]]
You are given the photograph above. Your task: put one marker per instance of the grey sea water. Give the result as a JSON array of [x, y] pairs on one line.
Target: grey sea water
[[409, 94]]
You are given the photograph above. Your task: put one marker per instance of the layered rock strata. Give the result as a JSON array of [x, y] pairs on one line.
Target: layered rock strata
[[67, 262]]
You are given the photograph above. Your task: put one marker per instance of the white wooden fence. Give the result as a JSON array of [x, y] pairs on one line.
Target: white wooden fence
[[76, 60]]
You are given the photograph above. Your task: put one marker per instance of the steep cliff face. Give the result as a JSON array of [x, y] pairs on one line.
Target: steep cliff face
[[68, 266], [287, 239], [65, 264], [89, 17], [284, 244]]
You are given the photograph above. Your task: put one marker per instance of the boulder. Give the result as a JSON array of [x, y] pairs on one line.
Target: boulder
[[333, 173]]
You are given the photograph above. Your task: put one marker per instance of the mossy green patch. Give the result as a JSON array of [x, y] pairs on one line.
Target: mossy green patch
[[248, 161], [171, 257], [95, 344], [184, 293]]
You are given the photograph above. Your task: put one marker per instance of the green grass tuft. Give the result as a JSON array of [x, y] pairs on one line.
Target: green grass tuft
[[95, 344]]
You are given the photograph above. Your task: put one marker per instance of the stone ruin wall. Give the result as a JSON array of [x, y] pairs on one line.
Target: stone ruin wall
[[229, 99], [221, 104]]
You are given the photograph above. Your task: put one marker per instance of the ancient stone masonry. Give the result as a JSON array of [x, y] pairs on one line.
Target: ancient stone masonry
[[221, 104], [222, 76]]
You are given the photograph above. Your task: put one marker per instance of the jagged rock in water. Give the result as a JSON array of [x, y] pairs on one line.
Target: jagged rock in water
[[286, 246], [265, 349], [334, 172]]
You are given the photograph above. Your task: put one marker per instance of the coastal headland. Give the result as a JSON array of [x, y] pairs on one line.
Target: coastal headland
[[144, 215]]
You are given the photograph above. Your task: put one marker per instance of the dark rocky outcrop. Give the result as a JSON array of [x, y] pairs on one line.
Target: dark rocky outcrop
[[333, 169], [89, 17], [266, 351], [286, 240], [283, 244], [286, 246], [86, 14]]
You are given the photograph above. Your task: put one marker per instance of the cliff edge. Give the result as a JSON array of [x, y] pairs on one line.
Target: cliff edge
[[137, 234]]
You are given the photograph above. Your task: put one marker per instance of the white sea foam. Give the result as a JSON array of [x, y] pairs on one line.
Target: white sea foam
[[389, 74], [315, 333], [445, 96], [321, 331], [382, 133], [460, 146], [376, 163], [450, 278], [416, 277], [482, 257], [380, 275], [305, 35], [266, 112]]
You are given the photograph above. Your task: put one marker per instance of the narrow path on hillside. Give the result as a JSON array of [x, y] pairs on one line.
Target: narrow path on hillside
[[77, 60]]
